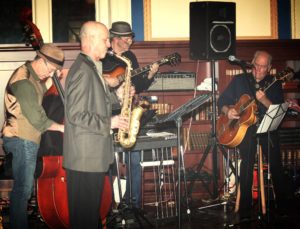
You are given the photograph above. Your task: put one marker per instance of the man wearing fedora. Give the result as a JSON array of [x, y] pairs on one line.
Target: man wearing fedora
[[25, 121], [122, 37]]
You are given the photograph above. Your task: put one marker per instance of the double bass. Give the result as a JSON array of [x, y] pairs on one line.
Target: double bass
[[51, 183]]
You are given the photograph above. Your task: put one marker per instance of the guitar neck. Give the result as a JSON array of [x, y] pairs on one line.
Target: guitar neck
[[172, 59], [265, 89], [145, 68], [253, 100]]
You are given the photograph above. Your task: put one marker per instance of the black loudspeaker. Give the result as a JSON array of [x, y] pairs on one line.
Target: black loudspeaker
[[212, 30]]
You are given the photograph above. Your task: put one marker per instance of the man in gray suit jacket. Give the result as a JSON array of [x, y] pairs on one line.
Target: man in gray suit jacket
[[88, 142]]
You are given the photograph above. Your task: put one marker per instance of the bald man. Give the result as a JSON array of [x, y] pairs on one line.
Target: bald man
[[88, 142]]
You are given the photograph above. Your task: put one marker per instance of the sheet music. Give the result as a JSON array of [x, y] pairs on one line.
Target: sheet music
[[272, 118]]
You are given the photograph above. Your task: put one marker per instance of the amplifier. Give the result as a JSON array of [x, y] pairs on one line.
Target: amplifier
[[172, 81]]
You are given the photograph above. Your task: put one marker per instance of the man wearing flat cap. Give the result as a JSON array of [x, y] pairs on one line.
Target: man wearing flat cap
[[121, 36], [25, 121]]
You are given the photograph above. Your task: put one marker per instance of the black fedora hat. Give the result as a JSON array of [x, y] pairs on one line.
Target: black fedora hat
[[121, 28]]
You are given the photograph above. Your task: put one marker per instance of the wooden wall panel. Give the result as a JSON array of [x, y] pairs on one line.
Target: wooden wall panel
[[148, 52]]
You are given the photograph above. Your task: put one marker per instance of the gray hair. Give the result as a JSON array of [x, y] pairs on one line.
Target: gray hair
[[259, 52]]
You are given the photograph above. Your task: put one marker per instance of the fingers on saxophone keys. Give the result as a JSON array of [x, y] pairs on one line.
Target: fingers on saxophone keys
[[123, 123]]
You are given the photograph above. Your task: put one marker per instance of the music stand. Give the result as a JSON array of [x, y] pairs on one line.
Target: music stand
[[176, 116], [272, 118], [270, 122]]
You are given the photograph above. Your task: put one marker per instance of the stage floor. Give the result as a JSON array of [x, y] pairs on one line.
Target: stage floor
[[211, 216]]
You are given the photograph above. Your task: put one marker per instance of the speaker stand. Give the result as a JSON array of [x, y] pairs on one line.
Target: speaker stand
[[212, 146]]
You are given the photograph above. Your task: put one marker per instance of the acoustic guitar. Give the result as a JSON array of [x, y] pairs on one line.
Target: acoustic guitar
[[231, 132], [119, 71]]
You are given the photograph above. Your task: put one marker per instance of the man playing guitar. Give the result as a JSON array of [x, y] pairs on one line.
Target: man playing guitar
[[121, 40], [121, 36], [252, 86]]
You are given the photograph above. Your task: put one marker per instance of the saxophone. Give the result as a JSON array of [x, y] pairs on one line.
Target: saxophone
[[127, 138]]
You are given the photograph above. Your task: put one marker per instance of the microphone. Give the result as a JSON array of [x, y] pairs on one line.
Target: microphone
[[239, 62]]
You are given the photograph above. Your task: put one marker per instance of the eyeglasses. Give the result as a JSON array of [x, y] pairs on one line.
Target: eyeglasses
[[49, 67], [260, 66], [126, 39]]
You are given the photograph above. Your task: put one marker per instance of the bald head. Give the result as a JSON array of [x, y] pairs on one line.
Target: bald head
[[263, 54], [94, 38], [91, 28]]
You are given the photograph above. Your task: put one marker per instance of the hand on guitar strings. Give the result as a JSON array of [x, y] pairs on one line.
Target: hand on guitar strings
[[153, 70], [232, 114]]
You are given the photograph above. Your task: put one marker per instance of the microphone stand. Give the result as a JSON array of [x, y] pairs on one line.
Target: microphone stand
[[242, 63]]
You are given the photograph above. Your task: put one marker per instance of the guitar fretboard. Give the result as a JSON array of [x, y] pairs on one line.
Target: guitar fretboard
[[146, 68]]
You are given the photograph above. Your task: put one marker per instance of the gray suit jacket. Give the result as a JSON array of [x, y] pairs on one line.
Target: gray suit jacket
[[88, 145]]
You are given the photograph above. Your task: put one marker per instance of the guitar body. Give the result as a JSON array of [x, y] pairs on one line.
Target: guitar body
[[117, 72], [232, 132]]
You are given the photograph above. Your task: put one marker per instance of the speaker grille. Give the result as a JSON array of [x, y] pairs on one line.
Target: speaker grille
[[220, 38], [212, 30]]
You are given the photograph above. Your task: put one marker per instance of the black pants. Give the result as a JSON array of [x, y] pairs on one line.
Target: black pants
[[84, 198], [248, 152]]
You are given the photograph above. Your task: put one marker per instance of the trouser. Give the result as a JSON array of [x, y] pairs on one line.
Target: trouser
[[136, 176], [23, 166], [248, 152], [84, 198]]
